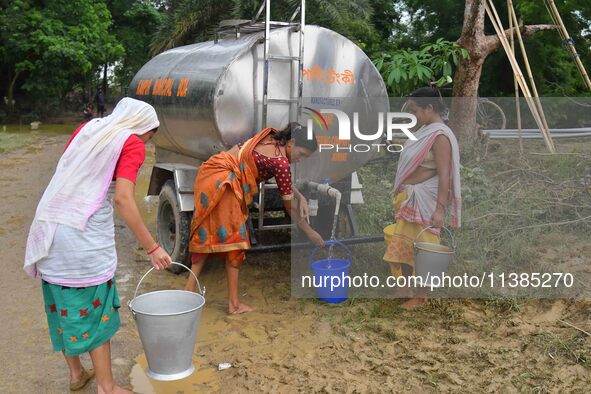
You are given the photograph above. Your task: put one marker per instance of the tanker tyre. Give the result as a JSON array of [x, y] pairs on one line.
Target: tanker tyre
[[173, 227]]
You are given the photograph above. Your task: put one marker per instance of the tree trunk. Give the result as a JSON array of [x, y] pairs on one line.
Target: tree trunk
[[105, 80], [464, 101], [467, 76], [10, 92]]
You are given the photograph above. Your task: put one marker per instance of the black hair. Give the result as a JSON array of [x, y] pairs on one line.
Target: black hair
[[428, 96], [298, 133]]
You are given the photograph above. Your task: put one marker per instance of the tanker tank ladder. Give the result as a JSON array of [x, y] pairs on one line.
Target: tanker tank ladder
[[236, 28], [294, 101]]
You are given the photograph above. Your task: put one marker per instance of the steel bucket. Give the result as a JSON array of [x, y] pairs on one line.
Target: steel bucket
[[432, 259], [167, 322]]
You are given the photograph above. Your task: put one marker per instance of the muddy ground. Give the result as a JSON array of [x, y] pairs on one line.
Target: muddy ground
[[289, 345]]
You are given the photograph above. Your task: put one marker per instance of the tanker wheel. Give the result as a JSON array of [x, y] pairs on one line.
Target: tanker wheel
[[173, 227]]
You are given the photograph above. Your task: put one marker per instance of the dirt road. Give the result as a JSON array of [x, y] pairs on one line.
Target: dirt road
[[290, 345]]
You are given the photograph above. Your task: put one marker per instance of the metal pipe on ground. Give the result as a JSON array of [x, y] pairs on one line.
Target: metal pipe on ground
[[538, 136], [309, 245], [537, 131]]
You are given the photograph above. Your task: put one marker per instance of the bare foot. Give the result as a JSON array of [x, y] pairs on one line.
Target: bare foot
[[79, 380], [414, 303], [121, 390], [403, 292], [115, 390], [240, 308]]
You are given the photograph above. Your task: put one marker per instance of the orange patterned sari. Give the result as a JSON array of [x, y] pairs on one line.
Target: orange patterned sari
[[224, 188]]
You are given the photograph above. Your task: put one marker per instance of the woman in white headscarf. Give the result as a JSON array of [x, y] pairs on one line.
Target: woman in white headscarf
[[71, 243]]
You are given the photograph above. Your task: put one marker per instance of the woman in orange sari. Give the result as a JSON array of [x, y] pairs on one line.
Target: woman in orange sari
[[224, 188]]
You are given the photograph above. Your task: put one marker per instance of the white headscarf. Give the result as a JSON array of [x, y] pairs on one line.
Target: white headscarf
[[83, 175]]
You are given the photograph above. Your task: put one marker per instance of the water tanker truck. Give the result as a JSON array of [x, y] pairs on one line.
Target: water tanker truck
[[212, 95]]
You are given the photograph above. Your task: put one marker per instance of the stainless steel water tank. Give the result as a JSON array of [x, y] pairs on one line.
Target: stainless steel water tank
[[208, 96]]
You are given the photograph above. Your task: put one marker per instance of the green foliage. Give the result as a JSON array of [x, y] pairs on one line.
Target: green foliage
[[428, 20], [554, 70], [134, 24], [405, 69], [189, 21], [476, 186], [378, 183], [79, 38], [71, 37], [558, 76]]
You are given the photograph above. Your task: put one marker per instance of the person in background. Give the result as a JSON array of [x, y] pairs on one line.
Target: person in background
[[88, 112], [224, 188], [100, 102], [71, 242], [427, 185]]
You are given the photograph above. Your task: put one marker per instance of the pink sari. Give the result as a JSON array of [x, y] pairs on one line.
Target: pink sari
[[422, 197]]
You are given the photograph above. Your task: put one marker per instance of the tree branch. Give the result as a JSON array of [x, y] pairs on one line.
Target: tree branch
[[492, 42]]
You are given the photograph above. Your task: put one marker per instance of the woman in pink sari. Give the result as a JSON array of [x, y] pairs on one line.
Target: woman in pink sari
[[427, 185]]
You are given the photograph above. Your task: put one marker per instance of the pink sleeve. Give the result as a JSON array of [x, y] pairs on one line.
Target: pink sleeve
[[131, 158]]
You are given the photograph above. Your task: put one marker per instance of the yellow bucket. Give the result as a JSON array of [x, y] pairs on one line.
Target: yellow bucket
[[389, 232]]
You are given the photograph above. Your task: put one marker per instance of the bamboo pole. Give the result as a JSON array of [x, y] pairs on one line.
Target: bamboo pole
[[496, 22], [527, 66], [515, 84], [568, 40]]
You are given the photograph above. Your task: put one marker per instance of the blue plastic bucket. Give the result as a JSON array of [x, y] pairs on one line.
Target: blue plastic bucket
[[329, 274]]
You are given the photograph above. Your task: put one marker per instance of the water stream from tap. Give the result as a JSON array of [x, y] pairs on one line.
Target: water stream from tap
[[332, 238]]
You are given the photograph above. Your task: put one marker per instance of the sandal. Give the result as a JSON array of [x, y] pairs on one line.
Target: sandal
[[85, 377]]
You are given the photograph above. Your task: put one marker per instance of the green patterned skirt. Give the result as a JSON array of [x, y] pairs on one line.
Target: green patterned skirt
[[81, 318]]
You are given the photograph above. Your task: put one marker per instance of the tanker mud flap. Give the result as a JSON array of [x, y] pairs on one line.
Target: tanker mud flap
[[173, 184]]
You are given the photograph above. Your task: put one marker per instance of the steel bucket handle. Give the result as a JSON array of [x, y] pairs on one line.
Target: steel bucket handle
[[202, 292], [453, 241], [329, 242]]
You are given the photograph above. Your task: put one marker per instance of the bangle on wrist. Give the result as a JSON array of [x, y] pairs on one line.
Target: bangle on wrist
[[442, 205], [153, 249]]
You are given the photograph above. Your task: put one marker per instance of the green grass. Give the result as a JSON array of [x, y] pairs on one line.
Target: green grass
[[510, 201], [505, 305], [575, 348], [513, 207]]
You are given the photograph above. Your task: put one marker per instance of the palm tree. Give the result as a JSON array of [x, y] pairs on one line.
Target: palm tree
[[189, 21]]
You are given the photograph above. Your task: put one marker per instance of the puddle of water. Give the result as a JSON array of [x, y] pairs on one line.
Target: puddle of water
[[15, 221], [204, 379], [14, 137], [67, 128], [13, 141]]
